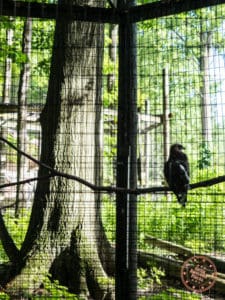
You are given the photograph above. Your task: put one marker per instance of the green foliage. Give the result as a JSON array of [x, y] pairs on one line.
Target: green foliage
[[4, 296], [13, 51], [199, 226], [42, 41], [106, 281], [205, 156], [170, 294], [53, 290], [17, 228], [110, 68], [147, 279], [109, 217], [178, 41]]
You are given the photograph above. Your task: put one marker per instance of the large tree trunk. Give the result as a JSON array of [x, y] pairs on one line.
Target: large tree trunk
[[64, 233]]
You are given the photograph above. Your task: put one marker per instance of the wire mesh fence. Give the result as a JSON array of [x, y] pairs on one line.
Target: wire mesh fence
[[82, 145]]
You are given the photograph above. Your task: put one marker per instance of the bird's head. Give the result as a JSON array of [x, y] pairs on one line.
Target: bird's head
[[176, 148]]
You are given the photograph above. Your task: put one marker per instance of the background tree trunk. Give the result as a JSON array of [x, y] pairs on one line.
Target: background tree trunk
[[113, 33], [64, 233], [22, 112], [6, 99], [8, 68], [206, 42]]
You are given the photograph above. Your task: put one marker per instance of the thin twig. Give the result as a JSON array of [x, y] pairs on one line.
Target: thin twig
[[4, 185], [7, 206], [96, 188]]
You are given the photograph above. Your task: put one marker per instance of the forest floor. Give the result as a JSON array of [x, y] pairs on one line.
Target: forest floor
[[170, 289]]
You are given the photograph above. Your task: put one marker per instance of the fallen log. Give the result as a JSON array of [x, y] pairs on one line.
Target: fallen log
[[172, 269], [172, 266], [184, 252], [169, 246]]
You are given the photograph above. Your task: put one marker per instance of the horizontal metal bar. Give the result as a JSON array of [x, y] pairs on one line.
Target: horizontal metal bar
[[100, 14], [167, 7], [53, 11]]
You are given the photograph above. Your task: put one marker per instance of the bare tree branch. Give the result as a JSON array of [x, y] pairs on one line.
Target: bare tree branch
[[7, 206], [2, 186]]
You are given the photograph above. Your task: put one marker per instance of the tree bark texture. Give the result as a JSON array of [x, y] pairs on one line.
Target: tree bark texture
[[65, 231]]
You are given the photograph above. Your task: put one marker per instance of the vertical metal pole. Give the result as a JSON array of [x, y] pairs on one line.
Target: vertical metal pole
[[132, 133], [166, 121], [147, 149], [126, 204]]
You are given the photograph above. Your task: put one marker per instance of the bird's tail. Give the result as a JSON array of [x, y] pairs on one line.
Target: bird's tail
[[182, 199]]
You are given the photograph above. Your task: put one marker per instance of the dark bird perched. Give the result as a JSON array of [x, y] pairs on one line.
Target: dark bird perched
[[176, 171]]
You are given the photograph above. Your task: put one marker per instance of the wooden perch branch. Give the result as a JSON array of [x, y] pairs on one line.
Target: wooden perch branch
[[208, 182], [95, 188]]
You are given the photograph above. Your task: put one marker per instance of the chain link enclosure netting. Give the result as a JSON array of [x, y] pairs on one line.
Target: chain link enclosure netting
[[92, 96]]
